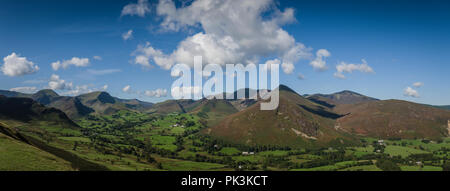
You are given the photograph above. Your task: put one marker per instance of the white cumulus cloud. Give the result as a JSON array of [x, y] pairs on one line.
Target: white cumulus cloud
[[102, 72], [78, 90], [75, 61], [97, 58], [349, 68], [14, 65], [140, 8], [56, 83], [288, 67], [179, 92], [156, 93], [68, 88], [128, 35], [269, 63], [24, 89], [126, 89], [233, 32], [418, 84], [35, 81], [83, 89], [319, 62], [410, 92]]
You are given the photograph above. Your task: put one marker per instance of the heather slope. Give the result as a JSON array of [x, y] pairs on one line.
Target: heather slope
[[394, 119], [297, 122]]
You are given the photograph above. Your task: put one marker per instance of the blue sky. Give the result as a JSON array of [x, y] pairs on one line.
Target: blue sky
[[403, 42]]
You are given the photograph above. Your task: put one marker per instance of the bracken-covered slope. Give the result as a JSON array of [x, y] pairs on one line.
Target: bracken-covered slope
[[241, 104], [394, 119], [446, 107], [297, 122]]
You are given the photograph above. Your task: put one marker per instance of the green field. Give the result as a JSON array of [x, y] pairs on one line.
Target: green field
[[402, 151], [419, 168], [189, 165], [362, 168], [321, 168], [229, 151], [274, 153]]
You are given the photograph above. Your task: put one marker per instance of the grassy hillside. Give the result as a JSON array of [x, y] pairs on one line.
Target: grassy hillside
[[214, 110], [19, 156], [174, 106], [135, 104], [72, 106], [168, 106], [101, 102]]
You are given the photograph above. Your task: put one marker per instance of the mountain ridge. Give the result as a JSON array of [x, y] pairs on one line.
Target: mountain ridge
[[342, 97], [99, 102]]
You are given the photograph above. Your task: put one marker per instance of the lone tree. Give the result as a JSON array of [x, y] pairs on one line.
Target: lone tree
[[75, 145]]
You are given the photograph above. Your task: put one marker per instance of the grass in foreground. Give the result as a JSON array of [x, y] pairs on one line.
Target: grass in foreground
[[16, 155]]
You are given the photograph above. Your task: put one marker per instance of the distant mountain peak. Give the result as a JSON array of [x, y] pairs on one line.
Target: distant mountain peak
[[104, 97], [342, 97], [286, 88], [48, 92], [44, 96], [347, 92]]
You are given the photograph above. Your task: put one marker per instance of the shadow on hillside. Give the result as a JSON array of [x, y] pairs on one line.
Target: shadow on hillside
[[322, 112]]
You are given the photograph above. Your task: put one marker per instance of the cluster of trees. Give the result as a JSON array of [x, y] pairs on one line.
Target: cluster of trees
[[276, 161], [186, 121], [327, 158], [377, 147], [386, 164], [179, 143], [46, 136], [212, 145]]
